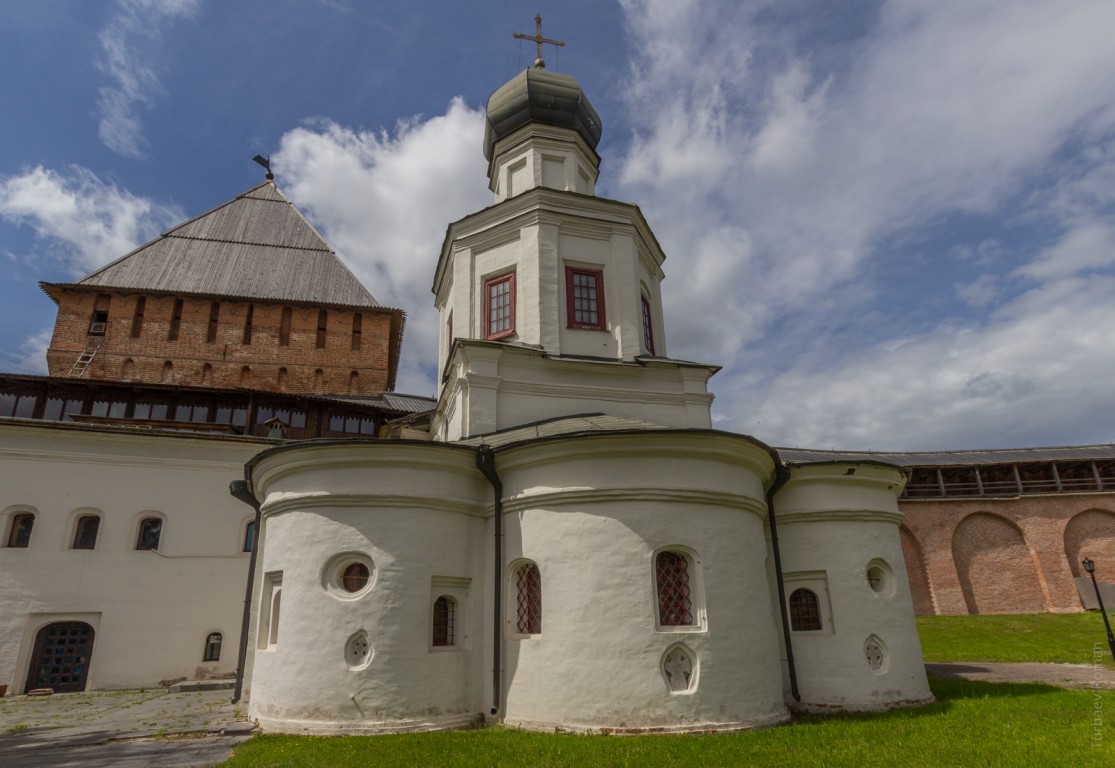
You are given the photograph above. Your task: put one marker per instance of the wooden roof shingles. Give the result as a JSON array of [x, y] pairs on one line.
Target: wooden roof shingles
[[255, 246]]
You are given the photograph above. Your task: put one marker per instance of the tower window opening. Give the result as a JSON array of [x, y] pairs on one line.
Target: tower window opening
[[137, 318], [248, 324], [357, 323], [175, 321], [214, 316], [584, 293], [322, 321], [499, 306], [648, 326]]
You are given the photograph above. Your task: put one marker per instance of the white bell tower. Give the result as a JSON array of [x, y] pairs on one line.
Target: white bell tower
[[550, 299]]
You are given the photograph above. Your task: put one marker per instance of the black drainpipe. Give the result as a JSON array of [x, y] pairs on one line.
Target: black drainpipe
[[486, 463], [243, 492], [782, 475]]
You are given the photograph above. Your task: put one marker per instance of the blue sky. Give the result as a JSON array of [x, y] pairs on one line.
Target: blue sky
[[893, 223]]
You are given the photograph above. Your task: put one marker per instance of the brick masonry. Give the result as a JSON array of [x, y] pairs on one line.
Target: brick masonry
[[299, 366], [1009, 555]]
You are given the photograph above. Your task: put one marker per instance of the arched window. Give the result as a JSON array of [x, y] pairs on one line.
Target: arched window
[[212, 647], [445, 621], [648, 324], [150, 530], [85, 532], [528, 585], [249, 536], [805, 611], [20, 534], [281, 379], [675, 601]]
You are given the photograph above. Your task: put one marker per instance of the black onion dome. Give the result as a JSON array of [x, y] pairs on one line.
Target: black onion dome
[[540, 96]]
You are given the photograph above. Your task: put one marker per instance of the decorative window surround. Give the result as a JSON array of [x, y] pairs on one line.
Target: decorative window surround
[[584, 298], [499, 306]]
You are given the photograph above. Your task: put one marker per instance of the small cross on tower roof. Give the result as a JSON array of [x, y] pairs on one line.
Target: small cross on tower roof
[[538, 40]]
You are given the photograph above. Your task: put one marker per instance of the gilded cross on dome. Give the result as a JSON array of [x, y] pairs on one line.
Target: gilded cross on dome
[[538, 40]]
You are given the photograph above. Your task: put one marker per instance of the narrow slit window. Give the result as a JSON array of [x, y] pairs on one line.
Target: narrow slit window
[[322, 327], [248, 324], [584, 293], [150, 531], [445, 621], [85, 533], [499, 306], [137, 318], [175, 321], [249, 536], [284, 327], [675, 601], [529, 599], [648, 326], [357, 327], [214, 318]]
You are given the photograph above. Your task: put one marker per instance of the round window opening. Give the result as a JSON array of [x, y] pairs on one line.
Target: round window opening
[[880, 578], [355, 577]]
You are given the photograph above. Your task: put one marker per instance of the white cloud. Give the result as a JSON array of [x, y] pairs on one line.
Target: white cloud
[[85, 221], [383, 201], [31, 355], [134, 82], [985, 112]]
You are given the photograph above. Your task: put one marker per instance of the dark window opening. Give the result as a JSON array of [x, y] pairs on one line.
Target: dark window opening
[[248, 324], [20, 535], [805, 611], [357, 323], [137, 319], [322, 321], [175, 321], [212, 647], [284, 327], [675, 604], [355, 577], [214, 316], [648, 326], [249, 536], [99, 324], [445, 620], [85, 534], [150, 530], [529, 599]]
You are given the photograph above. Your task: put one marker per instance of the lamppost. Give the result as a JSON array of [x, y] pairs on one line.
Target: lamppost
[[1090, 567]]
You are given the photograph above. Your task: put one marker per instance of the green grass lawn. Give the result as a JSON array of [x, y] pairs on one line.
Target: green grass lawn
[[971, 724], [1067, 638]]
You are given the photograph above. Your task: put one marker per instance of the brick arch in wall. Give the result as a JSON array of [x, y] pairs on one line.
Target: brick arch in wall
[[1092, 534], [996, 568], [918, 576]]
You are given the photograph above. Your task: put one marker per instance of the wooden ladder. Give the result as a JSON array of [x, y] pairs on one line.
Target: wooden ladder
[[81, 365]]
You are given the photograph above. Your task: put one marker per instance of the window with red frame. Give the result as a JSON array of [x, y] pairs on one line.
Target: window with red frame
[[675, 603], [648, 327], [584, 297], [529, 598], [499, 306]]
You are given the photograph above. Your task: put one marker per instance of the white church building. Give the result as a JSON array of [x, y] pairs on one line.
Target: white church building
[[562, 541], [571, 545]]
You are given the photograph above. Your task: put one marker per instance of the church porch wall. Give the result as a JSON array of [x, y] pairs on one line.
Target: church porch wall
[[1042, 521], [835, 523], [598, 661], [413, 511], [304, 683], [592, 513]]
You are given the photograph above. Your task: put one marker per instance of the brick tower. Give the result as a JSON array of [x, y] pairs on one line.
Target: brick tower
[[246, 295]]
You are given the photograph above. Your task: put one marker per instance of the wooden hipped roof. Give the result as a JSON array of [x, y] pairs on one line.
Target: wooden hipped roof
[[256, 246]]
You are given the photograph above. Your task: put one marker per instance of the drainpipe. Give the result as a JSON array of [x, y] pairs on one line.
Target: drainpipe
[[241, 491], [782, 475], [486, 463]]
